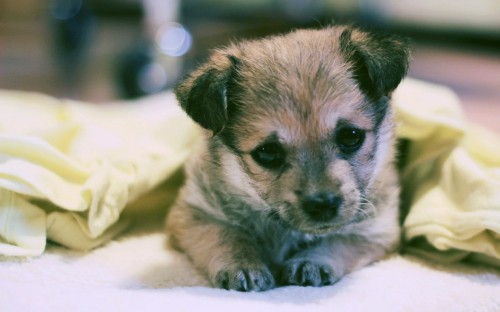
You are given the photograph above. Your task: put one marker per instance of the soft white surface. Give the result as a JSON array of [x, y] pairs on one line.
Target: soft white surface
[[139, 272]]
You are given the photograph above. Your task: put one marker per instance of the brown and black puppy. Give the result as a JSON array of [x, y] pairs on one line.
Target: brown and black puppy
[[294, 182]]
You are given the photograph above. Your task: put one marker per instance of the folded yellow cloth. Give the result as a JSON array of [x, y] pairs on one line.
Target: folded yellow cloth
[[68, 169], [451, 177]]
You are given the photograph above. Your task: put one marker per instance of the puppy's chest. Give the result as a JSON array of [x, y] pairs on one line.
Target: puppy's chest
[[276, 243]]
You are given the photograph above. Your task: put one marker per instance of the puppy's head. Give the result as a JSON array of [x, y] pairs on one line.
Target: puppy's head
[[301, 122]]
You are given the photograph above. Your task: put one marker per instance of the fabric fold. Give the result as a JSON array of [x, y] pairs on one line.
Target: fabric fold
[[22, 226], [450, 178], [76, 166]]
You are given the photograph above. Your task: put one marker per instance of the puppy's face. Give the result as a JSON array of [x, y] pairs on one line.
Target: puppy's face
[[301, 121]]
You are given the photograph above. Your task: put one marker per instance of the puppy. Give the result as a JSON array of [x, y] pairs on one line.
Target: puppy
[[294, 182]]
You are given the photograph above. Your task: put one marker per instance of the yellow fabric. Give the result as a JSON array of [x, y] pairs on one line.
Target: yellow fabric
[[68, 169], [451, 177]]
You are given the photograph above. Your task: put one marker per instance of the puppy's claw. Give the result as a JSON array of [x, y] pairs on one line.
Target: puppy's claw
[[245, 279], [307, 273]]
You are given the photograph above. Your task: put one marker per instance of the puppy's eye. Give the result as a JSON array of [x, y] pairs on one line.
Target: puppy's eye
[[269, 155], [350, 139]]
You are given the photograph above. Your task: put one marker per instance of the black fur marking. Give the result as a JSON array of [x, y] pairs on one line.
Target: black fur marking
[[379, 110], [206, 101], [379, 61], [233, 86]]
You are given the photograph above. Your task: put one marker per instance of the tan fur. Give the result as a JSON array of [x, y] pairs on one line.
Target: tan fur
[[324, 209]]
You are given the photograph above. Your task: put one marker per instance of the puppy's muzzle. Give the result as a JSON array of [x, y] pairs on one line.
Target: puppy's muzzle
[[322, 207]]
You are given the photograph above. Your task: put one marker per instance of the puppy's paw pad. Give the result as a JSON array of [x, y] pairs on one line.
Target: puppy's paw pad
[[307, 273], [245, 279]]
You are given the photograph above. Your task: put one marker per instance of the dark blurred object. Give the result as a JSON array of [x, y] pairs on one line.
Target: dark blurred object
[[131, 69], [151, 64], [72, 24]]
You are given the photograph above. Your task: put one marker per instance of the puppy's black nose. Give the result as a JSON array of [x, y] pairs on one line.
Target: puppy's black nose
[[322, 206]]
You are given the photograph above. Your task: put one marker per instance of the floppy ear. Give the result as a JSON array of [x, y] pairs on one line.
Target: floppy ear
[[379, 61], [203, 93]]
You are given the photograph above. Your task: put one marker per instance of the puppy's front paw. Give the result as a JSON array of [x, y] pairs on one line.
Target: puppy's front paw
[[307, 273], [245, 279]]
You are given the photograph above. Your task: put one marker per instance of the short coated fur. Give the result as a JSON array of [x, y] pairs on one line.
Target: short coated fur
[[294, 182]]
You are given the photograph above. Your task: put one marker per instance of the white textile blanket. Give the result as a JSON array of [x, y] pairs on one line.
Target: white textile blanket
[[138, 272]]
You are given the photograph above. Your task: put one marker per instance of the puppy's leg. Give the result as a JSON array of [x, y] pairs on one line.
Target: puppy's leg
[[228, 257], [328, 260]]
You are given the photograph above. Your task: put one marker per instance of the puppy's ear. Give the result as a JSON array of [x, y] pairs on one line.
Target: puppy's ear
[[203, 93], [379, 61]]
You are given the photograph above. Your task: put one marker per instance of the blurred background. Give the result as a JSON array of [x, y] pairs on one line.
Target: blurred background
[[101, 51]]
